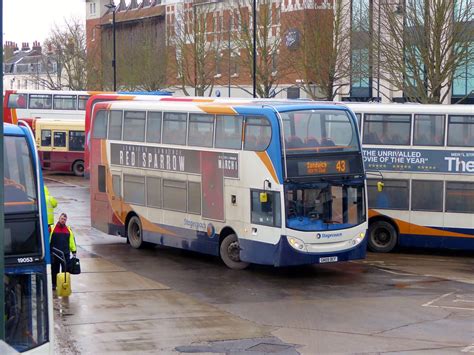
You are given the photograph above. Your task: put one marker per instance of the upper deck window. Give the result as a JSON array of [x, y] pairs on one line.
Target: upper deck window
[[461, 131], [258, 133], [174, 128], [429, 130], [115, 125], [17, 101], [40, 101], [387, 129], [82, 102], [153, 127], [64, 102], [321, 130], [134, 126], [201, 130], [100, 124], [229, 132]]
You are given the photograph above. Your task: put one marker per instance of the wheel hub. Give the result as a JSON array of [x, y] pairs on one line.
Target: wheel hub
[[234, 251]]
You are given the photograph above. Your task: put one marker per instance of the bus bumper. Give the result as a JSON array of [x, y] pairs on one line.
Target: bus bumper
[[282, 254]]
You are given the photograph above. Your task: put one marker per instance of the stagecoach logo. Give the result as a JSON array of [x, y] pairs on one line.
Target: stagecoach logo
[[328, 235]]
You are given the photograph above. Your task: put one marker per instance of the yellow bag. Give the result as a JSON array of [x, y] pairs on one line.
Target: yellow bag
[[63, 284]]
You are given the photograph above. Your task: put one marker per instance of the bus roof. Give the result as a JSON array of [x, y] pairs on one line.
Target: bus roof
[[12, 129], [410, 108], [221, 106]]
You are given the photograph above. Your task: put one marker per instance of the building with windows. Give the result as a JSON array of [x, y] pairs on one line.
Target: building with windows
[[27, 68], [352, 50]]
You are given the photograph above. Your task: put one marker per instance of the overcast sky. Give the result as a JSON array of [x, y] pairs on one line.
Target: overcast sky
[[32, 20]]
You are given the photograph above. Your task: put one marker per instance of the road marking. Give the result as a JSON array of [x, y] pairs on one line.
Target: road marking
[[464, 301], [468, 349], [429, 304]]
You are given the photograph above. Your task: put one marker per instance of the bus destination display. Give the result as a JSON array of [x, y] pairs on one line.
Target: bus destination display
[[333, 167]]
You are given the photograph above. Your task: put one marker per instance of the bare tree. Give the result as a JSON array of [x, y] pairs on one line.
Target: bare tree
[[320, 54], [423, 44], [196, 38], [270, 68], [65, 64]]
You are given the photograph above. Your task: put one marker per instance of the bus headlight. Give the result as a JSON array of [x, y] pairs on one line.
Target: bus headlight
[[297, 244], [355, 241]]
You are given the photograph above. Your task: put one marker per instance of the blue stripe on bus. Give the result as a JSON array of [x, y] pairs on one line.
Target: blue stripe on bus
[[421, 241]]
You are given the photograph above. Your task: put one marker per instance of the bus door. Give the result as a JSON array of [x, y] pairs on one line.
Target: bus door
[[44, 143], [116, 199], [59, 154], [265, 215]]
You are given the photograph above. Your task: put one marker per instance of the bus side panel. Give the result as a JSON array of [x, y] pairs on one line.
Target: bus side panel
[[424, 241]]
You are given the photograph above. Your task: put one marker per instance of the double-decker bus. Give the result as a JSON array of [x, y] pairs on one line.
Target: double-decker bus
[[20, 104], [60, 145], [425, 157], [275, 183], [27, 279]]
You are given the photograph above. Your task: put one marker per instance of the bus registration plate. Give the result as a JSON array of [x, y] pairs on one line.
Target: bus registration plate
[[328, 259]]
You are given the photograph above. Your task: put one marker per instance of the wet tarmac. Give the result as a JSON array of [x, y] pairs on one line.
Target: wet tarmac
[[167, 301]]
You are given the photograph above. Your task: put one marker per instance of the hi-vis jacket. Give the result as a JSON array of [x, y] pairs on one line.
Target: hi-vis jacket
[[51, 204], [62, 238]]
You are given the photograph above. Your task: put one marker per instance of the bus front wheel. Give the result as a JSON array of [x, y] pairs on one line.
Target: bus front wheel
[[78, 168], [135, 233], [230, 253], [383, 237]]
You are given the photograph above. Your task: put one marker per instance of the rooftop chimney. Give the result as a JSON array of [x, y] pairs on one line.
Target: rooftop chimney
[[25, 46], [36, 47], [8, 49]]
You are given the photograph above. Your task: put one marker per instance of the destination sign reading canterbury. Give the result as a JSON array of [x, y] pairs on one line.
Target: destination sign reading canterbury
[[170, 159]]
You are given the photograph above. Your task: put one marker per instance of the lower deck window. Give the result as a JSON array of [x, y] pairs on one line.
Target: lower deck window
[[394, 195], [266, 213], [174, 195], [134, 189], [460, 197]]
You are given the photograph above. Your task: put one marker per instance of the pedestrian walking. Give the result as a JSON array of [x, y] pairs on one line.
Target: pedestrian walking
[[61, 238], [51, 204]]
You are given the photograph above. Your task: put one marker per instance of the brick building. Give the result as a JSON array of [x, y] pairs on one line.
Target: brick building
[[306, 48]]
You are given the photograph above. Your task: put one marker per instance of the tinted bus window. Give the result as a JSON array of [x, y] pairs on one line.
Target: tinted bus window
[[359, 118], [461, 131], [229, 132], [201, 130], [266, 213], [59, 139], [194, 197], [76, 141], [427, 195], [115, 125], [117, 185], [17, 101], [429, 130], [459, 197], [100, 125], [134, 126], [174, 128], [46, 138], [40, 101], [174, 195], [258, 133], [19, 178], [134, 189], [82, 102], [64, 102], [394, 195], [153, 127], [153, 191], [387, 129]]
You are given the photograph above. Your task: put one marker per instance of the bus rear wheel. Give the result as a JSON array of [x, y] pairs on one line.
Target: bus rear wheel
[[230, 253], [78, 168], [135, 233], [383, 237]]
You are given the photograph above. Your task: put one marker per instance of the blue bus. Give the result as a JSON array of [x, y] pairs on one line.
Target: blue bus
[[27, 281]]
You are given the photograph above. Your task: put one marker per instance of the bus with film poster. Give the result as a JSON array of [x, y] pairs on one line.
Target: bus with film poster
[[274, 183]]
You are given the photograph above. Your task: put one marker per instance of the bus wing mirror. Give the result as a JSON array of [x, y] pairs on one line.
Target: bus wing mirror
[[380, 186], [263, 197]]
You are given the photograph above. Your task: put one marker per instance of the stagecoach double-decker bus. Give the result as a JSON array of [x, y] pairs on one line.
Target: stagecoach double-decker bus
[[27, 280], [276, 183], [424, 154]]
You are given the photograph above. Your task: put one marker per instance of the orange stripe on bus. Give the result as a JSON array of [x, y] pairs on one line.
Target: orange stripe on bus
[[19, 203], [415, 229], [14, 116], [268, 163], [218, 109]]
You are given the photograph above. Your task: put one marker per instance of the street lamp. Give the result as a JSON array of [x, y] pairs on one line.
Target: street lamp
[[111, 6], [254, 74]]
